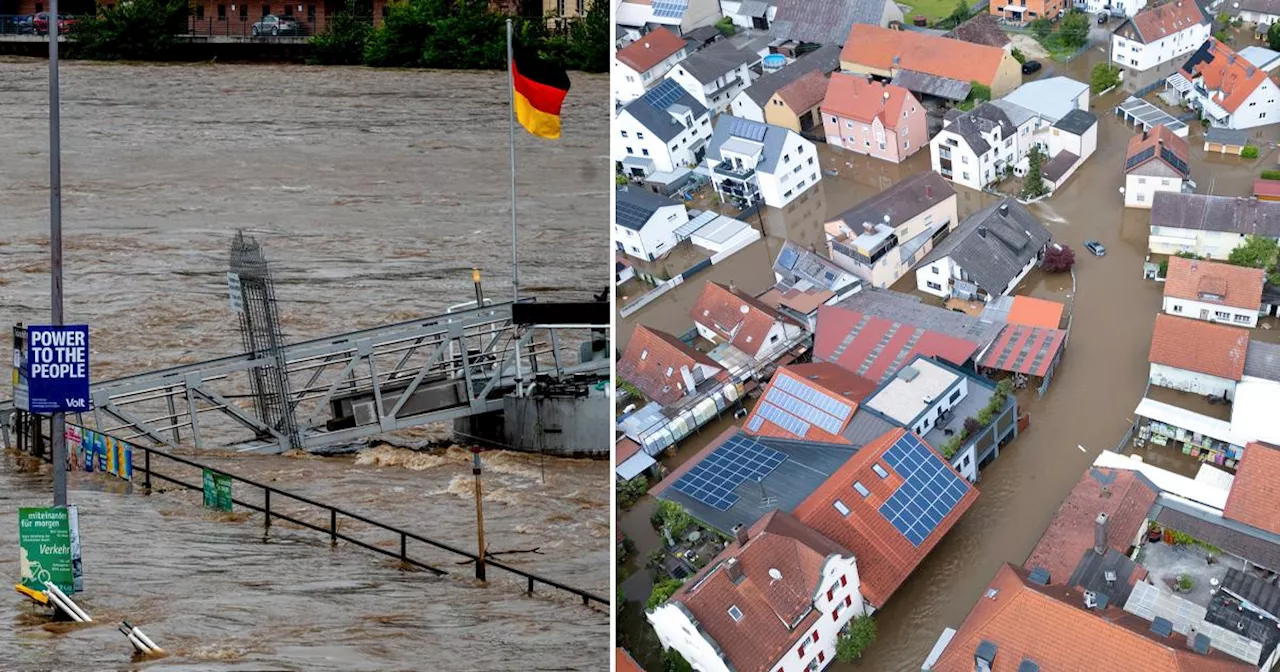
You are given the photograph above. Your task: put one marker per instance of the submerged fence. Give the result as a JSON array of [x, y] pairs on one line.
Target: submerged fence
[[280, 505]]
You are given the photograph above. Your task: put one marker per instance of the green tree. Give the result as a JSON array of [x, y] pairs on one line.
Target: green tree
[[1033, 185], [726, 27], [1103, 77], [662, 591], [1249, 152], [1074, 29], [136, 30], [630, 491], [978, 94], [1041, 28], [861, 632], [674, 517], [1258, 252], [672, 661], [1273, 36], [963, 12], [1018, 55], [343, 39]]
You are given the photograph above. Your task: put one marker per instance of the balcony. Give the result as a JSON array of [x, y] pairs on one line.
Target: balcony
[[728, 170], [944, 152]]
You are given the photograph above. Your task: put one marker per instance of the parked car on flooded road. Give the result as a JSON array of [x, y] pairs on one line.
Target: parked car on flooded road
[[40, 23], [1096, 248], [276, 25]]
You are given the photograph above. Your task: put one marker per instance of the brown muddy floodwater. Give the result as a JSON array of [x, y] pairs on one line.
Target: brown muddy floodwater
[[373, 194], [1089, 404]]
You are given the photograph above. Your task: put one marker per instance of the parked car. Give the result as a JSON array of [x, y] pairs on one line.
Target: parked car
[[1103, 18], [1096, 248], [16, 25], [25, 25], [1030, 67], [40, 23], [276, 25]]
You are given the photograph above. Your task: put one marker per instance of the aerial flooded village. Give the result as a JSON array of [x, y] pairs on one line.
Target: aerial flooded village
[[948, 335]]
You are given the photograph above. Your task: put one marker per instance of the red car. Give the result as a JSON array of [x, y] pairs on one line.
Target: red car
[[65, 23]]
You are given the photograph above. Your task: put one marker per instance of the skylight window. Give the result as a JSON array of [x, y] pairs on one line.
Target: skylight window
[[862, 489], [735, 613], [844, 510], [879, 471]]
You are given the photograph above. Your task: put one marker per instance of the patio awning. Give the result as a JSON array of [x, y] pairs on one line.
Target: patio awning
[[1191, 422], [642, 163], [1179, 83], [634, 466]]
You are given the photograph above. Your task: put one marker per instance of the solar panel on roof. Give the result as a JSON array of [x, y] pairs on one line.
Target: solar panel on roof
[[816, 407], [1139, 158], [664, 95], [632, 216], [1173, 160], [750, 130], [787, 258], [713, 480], [929, 490], [783, 419], [670, 9]]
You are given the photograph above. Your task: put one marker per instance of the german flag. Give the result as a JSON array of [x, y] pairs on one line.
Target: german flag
[[540, 88]]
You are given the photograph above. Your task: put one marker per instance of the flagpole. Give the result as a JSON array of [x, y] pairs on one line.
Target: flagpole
[[511, 119]]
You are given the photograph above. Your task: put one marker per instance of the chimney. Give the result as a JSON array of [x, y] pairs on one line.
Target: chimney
[[740, 534], [1004, 208], [982, 231], [1191, 636], [733, 570], [984, 658], [1100, 534], [733, 289], [928, 191], [1231, 57], [1144, 133]]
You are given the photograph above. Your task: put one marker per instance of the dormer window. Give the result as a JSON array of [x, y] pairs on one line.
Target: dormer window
[[735, 613], [644, 354], [670, 370]]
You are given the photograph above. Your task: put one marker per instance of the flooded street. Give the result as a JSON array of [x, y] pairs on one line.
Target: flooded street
[[1089, 404], [373, 193]]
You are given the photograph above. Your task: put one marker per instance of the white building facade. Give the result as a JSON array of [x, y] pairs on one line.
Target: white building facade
[[775, 169], [1194, 382], [1139, 54], [649, 139], [656, 235], [714, 91], [1211, 312], [1140, 190], [973, 151]]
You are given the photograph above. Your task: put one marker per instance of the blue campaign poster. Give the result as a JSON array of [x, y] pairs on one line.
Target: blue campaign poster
[[100, 452], [86, 449], [58, 368]]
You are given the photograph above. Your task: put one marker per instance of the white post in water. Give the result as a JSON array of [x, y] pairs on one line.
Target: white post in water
[[57, 424], [515, 260]]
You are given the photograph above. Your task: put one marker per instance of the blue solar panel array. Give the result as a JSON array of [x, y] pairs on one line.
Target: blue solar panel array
[[664, 95], [670, 9], [930, 490], [713, 480], [781, 418], [787, 257], [817, 408], [745, 128]]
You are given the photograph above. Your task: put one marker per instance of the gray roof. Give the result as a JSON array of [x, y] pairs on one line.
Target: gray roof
[[1018, 115], [1091, 574], [1051, 97], [652, 109], [1077, 122], [701, 36], [1259, 56], [1260, 6], [1058, 165], [908, 309], [1226, 136], [825, 58], [993, 244], [635, 206], [866, 426], [807, 466], [825, 21], [715, 60], [901, 202], [932, 85], [981, 119], [1262, 360], [753, 8], [1202, 212], [730, 128], [1257, 546]]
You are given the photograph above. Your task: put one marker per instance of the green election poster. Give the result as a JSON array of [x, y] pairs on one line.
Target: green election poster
[[44, 541], [217, 490]]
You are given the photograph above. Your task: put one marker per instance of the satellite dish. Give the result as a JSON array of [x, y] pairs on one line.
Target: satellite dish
[[745, 309], [775, 574]]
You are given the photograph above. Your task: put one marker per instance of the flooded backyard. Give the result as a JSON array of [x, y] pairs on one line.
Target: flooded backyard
[[1088, 407]]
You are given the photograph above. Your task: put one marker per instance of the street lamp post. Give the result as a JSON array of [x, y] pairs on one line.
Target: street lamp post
[[57, 425]]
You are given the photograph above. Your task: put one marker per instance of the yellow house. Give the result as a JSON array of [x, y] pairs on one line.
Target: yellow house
[[795, 106], [883, 52]]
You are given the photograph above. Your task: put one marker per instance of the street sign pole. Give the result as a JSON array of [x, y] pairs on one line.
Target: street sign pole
[[58, 429]]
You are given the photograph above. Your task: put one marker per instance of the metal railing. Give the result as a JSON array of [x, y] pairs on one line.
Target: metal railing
[[34, 442], [241, 25]]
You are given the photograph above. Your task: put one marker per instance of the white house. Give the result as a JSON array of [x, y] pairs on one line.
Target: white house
[[919, 394], [973, 148], [1209, 226], [1258, 11], [1228, 90], [750, 161], [1156, 41], [1157, 160], [783, 582], [1197, 356], [663, 131], [723, 314], [639, 66], [715, 74], [1129, 7], [1071, 140], [986, 256], [1213, 291], [757, 14], [645, 223]]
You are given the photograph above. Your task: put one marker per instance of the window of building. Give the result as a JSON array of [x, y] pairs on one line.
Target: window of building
[[844, 511], [199, 12], [966, 460], [1142, 180], [288, 11], [222, 12], [935, 268], [735, 613], [862, 489], [1142, 198], [266, 9], [844, 580], [964, 176], [311, 13], [954, 395], [644, 354], [810, 161], [624, 133], [639, 135], [788, 194], [244, 12], [934, 286], [630, 151], [1221, 315], [964, 159], [644, 152], [786, 158], [1242, 319], [1177, 308], [1164, 183]]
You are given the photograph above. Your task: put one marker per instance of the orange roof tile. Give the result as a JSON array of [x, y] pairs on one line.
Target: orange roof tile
[[1050, 626], [857, 98], [623, 449], [650, 50], [1266, 189], [822, 377], [1239, 286], [735, 317], [757, 640], [623, 662], [885, 557], [1156, 137], [1156, 23], [650, 355], [1195, 345], [1229, 79], [1256, 489], [876, 47], [804, 93], [1033, 312]]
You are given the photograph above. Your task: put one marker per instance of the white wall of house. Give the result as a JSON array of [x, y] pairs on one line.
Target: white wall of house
[[730, 9], [796, 172], [656, 237], [890, 267], [624, 275], [1258, 17], [1130, 7], [1136, 55], [1262, 107], [1140, 190], [936, 278], [631, 138], [715, 95], [776, 340], [1216, 245], [743, 106], [838, 594], [1211, 312], [966, 462], [1082, 146], [1191, 381], [1021, 274], [941, 405], [967, 167], [629, 84]]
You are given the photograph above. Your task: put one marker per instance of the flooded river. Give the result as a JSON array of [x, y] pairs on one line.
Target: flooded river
[[373, 193], [1089, 404]]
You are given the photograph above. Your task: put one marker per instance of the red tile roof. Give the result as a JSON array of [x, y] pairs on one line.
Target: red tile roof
[[1239, 286], [1026, 350], [650, 50], [1199, 346], [1049, 625], [735, 317], [1256, 489], [885, 557], [649, 355], [1157, 137], [623, 449], [823, 378], [862, 100], [1120, 493], [756, 641], [623, 662], [1035, 312], [1266, 189], [876, 47], [1156, 23], [1227, 76], [836, 323], [805, 93]]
